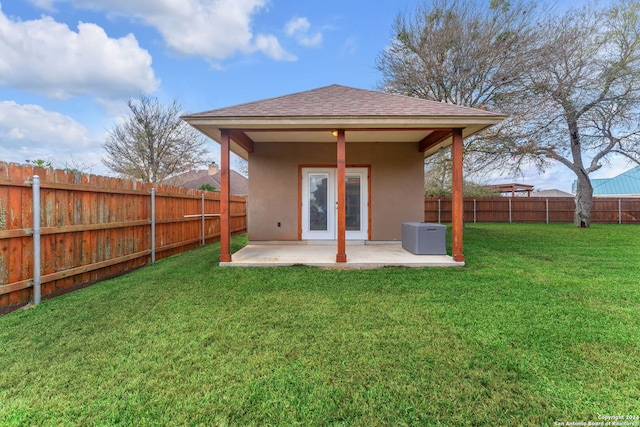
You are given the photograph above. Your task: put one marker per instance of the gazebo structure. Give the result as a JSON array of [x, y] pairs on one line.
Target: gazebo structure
[[512, 188], [338, 165]]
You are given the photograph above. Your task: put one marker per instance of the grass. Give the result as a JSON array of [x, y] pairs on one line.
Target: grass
[[541, 327]]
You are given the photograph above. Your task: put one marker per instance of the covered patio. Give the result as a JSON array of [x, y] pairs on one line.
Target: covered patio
[[334, 172], [360, 255]]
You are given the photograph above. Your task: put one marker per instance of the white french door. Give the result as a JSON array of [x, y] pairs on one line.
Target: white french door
[[319, 204]]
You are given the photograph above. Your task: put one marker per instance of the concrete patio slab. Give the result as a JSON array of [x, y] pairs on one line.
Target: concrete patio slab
[[359, 256]]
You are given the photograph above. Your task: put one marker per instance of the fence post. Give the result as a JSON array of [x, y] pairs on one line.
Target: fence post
[[438, 211], [36, 240], [474, 211], [619, 211], [202, 241], [509, 210], [547, 209], [153, 226]]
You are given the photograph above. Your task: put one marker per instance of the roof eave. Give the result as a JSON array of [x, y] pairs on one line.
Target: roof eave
[[344, 121], [471, 125], [466, 132]]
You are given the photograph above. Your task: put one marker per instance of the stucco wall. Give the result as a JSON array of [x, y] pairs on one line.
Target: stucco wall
[[397, 189]]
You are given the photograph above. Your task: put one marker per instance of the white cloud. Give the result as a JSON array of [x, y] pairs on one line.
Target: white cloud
[[298, 28], [37, 126], [43, 4], [270, 46], [113, 107], [46, 57], [213, 29], [349, 47], [31, 132]]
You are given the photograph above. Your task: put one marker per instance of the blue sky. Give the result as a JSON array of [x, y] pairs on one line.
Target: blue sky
[[66, 66]]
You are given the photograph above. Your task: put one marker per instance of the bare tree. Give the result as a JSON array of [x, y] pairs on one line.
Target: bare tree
[[153, 143], [242, 166], [468, 53], [73, 165], [459, 52], [572, 92], [437, 179], [437, 175], [586, 89]]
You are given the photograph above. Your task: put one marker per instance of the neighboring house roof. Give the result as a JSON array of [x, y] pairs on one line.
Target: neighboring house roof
[[626, 184], [196, 179], [365, 115], [551, 193]]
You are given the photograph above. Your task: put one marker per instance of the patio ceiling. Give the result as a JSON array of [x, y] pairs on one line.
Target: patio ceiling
[[366, 116], [325, 135]]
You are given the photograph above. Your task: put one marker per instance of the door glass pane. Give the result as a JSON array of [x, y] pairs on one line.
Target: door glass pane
[[353, 204], [318, 202]]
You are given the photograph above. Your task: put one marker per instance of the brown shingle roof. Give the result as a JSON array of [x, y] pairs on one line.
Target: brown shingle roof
[[336, 100], [196, 179], [366, 116]]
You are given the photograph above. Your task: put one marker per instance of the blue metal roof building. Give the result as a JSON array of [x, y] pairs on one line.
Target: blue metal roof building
[[626, 184]]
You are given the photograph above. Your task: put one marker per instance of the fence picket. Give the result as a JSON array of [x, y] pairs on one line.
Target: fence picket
[[92, 228], [534, 209]]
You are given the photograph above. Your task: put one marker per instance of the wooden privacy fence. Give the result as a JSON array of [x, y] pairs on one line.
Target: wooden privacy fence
[[533, 209], [94, 227]]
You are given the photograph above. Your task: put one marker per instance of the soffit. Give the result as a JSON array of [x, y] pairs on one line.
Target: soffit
[[366, 116]]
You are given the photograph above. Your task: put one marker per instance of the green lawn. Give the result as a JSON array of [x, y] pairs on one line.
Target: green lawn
[[541, 327]]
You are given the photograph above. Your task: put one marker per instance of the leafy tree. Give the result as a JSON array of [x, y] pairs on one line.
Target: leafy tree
[[207, 187], [153, 143], [569, 83], [41, 163]]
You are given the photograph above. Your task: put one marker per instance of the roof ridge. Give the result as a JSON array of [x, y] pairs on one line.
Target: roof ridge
[[242, 104], [399, 95]]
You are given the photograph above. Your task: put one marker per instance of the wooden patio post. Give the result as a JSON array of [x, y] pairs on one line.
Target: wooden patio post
[[457, 200], [341, 256], [225, 229]]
